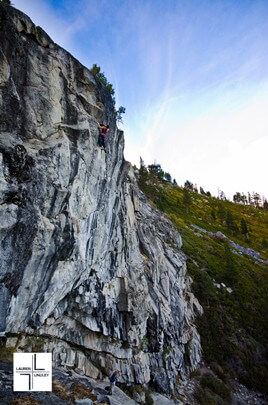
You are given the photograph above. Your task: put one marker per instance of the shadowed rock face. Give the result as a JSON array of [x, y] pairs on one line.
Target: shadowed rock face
[[89, 269]]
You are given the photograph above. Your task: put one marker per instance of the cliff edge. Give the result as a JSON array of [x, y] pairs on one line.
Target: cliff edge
[[89, 270]]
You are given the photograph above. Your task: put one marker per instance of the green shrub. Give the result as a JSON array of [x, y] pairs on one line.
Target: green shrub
[[131, 390], [125, 345], [195, 373], [109, 88], [95, 70], [207, 397], [102, 81], [216, 386], [148, 398], [6, 354], [143, 343]]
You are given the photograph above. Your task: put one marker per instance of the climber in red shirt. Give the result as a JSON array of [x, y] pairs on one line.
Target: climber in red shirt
[[104, 129]]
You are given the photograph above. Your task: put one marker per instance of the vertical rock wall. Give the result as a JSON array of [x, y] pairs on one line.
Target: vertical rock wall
[[88, 268]]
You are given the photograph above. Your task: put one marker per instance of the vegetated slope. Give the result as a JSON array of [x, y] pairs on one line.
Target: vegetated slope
[[230, 284]]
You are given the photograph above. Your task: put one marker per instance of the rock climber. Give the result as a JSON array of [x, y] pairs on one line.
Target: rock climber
[[113, 381], [104, 129]]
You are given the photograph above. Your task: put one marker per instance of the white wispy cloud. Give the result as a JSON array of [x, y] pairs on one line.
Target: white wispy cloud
[[220, 145], [192, 76]]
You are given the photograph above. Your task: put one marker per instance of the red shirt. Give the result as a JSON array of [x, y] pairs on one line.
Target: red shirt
[[104, 131]]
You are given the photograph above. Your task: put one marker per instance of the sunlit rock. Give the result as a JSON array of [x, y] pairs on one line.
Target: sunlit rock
[[86, 271]]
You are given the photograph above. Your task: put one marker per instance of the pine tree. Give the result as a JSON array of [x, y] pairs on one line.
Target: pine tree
[[213, 213], [161, 202], [256, 199], [156, 170], [230, 223], [167, 177], [244, 228], [6, 2], [121, 110], [95, 70], [187, 199], [142, 164], [143, 175], [237, 197], [221, 212], [230, 270], [189, 185], [244, 198]]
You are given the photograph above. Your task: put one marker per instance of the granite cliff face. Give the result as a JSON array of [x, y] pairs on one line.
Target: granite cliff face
[[88, 268]]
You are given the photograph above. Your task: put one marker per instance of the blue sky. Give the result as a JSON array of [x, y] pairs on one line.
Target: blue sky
[[192, 74]]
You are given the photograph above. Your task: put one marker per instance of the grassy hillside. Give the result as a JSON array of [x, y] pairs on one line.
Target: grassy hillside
[[231, 285]]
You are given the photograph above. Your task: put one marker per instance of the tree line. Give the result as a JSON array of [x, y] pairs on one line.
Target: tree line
[[252, 199]]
